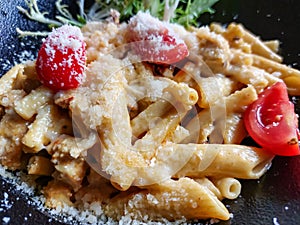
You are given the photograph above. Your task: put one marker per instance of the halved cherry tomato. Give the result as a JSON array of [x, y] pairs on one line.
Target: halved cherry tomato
[[272, 123], [61, 60], [154, 41]]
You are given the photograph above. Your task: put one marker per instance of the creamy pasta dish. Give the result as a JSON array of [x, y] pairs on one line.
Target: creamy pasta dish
[[153, 127]]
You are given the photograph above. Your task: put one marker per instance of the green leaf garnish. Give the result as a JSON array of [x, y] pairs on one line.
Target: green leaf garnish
[[188, 14], [184, 12]]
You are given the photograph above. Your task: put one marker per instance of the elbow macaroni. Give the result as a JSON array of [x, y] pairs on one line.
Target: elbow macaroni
[[164, 145]]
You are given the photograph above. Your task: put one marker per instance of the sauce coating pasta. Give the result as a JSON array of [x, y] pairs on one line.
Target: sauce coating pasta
[[146, 139]]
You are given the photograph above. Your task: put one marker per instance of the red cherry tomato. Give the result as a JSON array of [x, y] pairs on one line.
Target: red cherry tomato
[[271, 121], [153, 41], [61, 60]]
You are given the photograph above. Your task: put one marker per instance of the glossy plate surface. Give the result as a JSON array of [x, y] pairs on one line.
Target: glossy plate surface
[[274, 199]]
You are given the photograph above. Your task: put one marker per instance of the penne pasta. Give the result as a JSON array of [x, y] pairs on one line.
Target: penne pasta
[[8, 80], [140, 123], [180, 197], [28, 106], [46, 127], [220, 114], [289, 75], [143, 139], [12, 128], [210, 185], [226, 161], [229, 187], [257, 46], [157, 133], [235, 131]]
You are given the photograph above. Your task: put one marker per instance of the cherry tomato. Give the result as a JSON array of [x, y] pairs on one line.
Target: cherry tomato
[[272, 123], [61, 60], [153, 41]]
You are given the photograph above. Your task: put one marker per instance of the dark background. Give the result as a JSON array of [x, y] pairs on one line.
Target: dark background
[[273, 198]]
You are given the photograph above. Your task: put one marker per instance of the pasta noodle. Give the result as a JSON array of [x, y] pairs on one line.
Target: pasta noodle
[[180, 197], [143, 139], [40, 165], [229, 187], [226, 160], [28, 106]]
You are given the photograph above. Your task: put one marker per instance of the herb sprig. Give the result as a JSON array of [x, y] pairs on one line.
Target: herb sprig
[[184, 12], [187, 14]]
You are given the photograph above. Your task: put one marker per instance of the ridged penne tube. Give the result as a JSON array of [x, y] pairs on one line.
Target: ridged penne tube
[[75, 147], [116, 143], [233, 34], [156, 88], [293, 84], [239, 100], [184, 198], [7, 81], [184, 94], [288, 74], [226, 160], [69, 170], [211, 89], [202, 125], [131, 167], [238, 36], [120, 120], [47, 126], [258, 47], [29, 105], [235, 130], [239, 65], [282, 71], [157, 133], [12, 129], [210, 185], [36, 138], [168, 159], [140, 123], [271, 66], [249, 75], [229, 187], [239, 58]]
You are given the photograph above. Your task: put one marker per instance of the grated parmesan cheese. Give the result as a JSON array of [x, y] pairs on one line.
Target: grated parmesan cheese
[[157, 34]]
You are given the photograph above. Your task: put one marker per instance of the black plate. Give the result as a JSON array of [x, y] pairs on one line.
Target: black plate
[[274, 199]]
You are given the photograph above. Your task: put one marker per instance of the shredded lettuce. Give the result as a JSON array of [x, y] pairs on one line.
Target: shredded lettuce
[[184, 12]]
